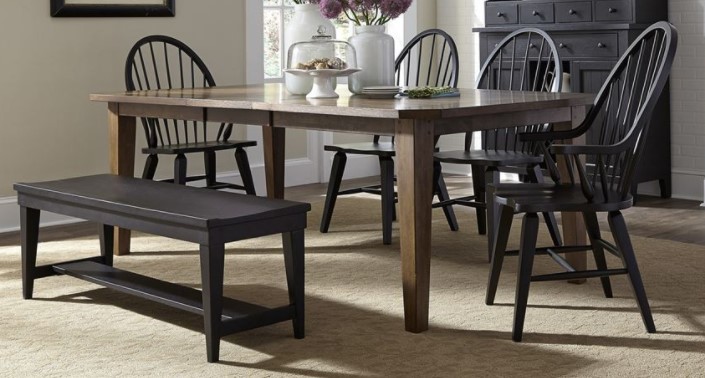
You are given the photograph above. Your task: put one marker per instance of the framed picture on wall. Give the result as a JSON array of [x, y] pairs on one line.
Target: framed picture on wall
[[112, 8]]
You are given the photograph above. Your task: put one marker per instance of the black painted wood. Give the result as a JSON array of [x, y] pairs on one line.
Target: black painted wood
[[527, 60], [592, 35], [429, 59], [620, 117], [209, 218], [98, 8], [157, 62]]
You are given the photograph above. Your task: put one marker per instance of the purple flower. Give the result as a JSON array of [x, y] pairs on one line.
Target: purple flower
[[331, 8], [369, 12], [394, 8]]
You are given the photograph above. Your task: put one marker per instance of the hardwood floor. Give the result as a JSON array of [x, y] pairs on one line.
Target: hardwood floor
[[653, 217]]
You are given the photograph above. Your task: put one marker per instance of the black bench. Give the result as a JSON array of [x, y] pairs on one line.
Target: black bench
[[209, 218]]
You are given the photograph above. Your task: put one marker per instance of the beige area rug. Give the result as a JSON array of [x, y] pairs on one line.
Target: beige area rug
[[354, 312]]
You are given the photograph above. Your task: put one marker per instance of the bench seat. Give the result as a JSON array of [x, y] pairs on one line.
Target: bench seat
[[209, 218]]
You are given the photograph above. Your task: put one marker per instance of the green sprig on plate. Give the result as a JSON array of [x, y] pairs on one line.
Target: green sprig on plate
[[431, 92]]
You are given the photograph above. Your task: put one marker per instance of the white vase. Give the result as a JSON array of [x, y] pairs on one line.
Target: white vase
[[375, 56], [305, 23]]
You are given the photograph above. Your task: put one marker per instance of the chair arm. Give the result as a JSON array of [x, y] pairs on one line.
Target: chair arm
[[551, 135], [581, 149]]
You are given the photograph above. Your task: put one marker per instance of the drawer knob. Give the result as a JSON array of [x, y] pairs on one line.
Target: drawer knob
[[531, 45], [601, 45], [535, 13], [611, 10], [500, 14], [562, 45], [571, 12]]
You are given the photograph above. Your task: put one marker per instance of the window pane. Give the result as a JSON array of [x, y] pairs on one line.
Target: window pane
[[272, 43], [269, 3], [289, 2]]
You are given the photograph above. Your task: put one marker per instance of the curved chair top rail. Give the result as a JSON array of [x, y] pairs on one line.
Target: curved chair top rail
[[522, 47], [525, 60], [434, 56], [163, 62], [620, 115]]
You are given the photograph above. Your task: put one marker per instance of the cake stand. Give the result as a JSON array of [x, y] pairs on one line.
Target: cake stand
[[322, 80]]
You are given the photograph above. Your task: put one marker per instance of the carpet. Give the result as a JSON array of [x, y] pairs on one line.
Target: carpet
[[354, 312]]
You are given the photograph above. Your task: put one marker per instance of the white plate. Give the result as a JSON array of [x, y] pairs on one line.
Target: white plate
[[394, 89], [379, 95]]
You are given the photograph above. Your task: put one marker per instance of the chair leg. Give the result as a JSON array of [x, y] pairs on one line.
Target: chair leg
[[180, 169], [478, 186], [593, 231], [107, 234], [336, 176], [491, 178], [209, 162], [29, 235], [621, 238], [243, 166], [441, 191], [150, 167], [386, 165], [294, 262], [212, 259], [665, 186], [500, 247], [527, 250], [535, 175]]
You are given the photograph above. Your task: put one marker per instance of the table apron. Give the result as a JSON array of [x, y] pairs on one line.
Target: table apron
[[359, 125], [502, 120]]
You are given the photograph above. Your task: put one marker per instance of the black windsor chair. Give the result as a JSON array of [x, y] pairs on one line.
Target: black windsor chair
[[525, 60], [429, 59], [161, 62], [620, 117]]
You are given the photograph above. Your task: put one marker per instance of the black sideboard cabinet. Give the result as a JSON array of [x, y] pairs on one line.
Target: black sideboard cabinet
[[591, 36]]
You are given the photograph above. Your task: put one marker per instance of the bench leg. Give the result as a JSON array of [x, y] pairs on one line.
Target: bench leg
[[29, 233], [212, 260], [106, 244], [294, 261]]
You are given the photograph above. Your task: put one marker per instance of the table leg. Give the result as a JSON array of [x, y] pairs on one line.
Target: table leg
[[121, 131], [274, 139], [574, 232], [414, 149]]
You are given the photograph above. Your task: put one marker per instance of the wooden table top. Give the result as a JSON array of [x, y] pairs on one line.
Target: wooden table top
[[275, 98]]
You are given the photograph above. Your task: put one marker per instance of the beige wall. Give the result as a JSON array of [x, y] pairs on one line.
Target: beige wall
[[48, 128]]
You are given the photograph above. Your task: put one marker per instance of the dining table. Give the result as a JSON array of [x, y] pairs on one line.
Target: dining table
[[415, 124]]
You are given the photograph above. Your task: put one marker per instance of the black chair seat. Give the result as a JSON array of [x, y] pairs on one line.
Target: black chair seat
[[364, 148], [185, 148], [619, 118], [489, 158], [172, 64], [535, 198]]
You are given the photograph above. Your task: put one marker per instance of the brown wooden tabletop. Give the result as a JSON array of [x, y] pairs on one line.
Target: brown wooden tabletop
[[413, 122]]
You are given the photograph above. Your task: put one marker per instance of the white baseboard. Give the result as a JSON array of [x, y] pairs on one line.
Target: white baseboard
[[298, 172]]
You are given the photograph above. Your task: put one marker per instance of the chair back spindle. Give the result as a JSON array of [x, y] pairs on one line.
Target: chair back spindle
[[429, 59], [619, 118], [525, 60], [161, 62]]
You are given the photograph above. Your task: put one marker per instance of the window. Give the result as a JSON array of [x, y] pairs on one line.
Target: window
[[277, 13]]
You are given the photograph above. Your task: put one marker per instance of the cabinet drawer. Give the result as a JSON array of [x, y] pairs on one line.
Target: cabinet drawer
[[536, 13], [500, 14], [587, 45], [579, 11], [613, 10], [520, 48]]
